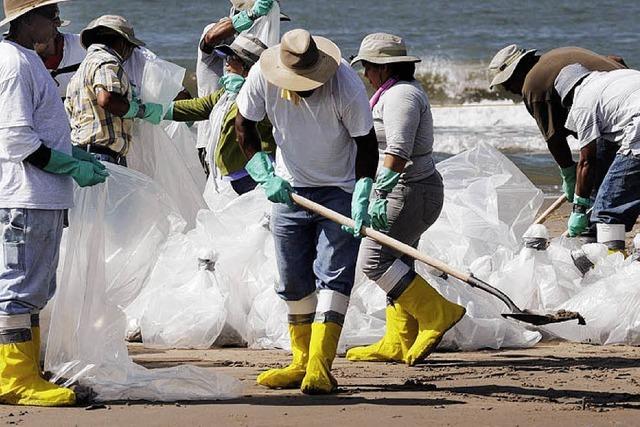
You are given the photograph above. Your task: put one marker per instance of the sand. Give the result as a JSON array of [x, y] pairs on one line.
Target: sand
[[555, 383]]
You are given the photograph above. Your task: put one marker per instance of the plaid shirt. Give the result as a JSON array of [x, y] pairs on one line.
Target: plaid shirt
[[91, 124]]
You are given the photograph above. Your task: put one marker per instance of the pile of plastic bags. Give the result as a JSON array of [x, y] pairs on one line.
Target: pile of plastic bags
[[246, 268]]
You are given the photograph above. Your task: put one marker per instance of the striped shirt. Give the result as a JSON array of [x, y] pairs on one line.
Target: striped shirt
[[607, 105], [102, 69]]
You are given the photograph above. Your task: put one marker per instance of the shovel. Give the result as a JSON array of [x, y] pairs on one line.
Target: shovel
[[516, 313], [551, 209]]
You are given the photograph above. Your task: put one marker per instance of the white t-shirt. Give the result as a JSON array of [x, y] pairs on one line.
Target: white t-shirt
[[315, 138], [607, 105], [32, 114], [209, 69]]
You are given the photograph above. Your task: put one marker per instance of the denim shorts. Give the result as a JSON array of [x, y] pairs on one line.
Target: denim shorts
[[618, 200], [313, 252], [30, 249]]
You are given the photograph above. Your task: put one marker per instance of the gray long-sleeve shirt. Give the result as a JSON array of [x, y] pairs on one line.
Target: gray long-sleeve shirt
[[404, 126]]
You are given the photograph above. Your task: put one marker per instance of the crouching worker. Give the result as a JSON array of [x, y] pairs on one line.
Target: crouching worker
[[223, 151], [101, 101], [327, 152], [37, 165], [604, 109], [409, 197]]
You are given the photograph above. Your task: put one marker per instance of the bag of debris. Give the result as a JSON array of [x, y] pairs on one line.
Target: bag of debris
[[189, 315]]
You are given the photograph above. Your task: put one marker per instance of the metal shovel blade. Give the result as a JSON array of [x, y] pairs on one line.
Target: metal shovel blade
[[545, 319]]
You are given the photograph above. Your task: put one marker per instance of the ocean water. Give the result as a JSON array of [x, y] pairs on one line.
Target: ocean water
[[455, 39]]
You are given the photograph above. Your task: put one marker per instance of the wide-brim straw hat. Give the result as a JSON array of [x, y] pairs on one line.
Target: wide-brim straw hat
[[110, 24], [504, 63], [301, 62], [383, 48], [14, 9]]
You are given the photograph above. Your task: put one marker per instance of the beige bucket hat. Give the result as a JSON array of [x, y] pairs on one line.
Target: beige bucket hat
[[14, 9], [504, 63], [109, 24], [383, 48], [300, 62]]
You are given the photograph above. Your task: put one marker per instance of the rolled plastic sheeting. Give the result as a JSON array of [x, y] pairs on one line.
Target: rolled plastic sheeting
[[166, 152], [117, 231]]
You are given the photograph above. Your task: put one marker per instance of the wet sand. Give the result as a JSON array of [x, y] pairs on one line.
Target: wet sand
[[555, 383], [551, 384]]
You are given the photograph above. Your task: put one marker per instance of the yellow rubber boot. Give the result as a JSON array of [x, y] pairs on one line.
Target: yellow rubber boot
[[435, 316], [401, 332], [322, 351], [21, 383], [292, 375]]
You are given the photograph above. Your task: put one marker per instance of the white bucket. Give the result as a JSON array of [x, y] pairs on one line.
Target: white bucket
[[611, 235]]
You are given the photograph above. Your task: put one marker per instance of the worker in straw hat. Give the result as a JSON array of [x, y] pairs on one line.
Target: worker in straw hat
[[101, 101], [525, 73], [327, 152], [37, 169], [409, 198]]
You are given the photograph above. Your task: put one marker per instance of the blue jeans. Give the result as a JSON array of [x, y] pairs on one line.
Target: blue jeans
[[30, 249], [313, 252], [618, 200], [605, 155]]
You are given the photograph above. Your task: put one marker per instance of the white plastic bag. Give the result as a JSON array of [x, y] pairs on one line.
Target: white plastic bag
[[87, 325], [166, 152], [191, 315]]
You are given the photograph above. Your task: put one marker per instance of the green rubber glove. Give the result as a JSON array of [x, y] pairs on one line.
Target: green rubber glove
[[261, 170], [261, 8], [378, 213], [134, 108], [568, 175], [152, 113], [169, 114], [232, 82], [80, 154], [360, 206], [84, 173], [241, 21], [579, 219], [385, 182], [578, 223]]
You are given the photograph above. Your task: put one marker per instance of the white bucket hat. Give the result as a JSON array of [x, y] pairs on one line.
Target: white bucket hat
[[504, 63], [383, 48], [13, 9], [300, 62], [247, 47], [568, 78]]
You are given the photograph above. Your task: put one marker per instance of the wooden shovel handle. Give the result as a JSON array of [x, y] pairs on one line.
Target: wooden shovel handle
[[551, 209], [379, 237]]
